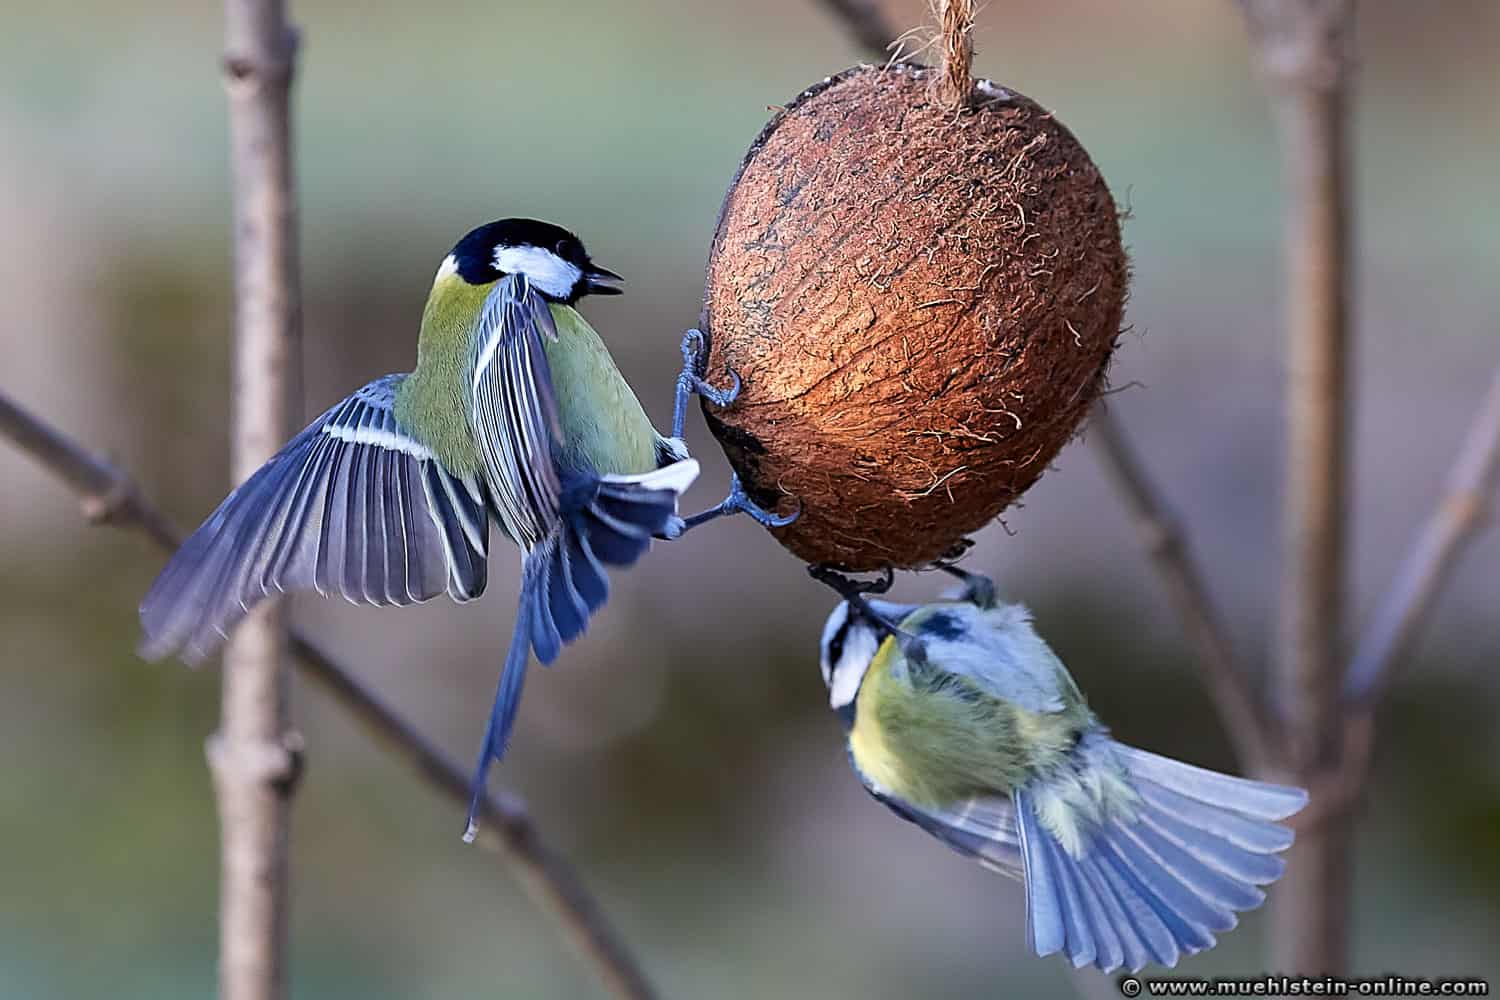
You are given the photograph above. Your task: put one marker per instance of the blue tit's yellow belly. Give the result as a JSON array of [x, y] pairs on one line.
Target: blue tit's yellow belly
[[934, 745]]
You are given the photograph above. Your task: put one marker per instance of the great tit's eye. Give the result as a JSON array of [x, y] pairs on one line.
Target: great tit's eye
[[561, 249]]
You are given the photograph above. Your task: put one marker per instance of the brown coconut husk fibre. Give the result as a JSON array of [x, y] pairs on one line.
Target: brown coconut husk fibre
[[921, 301]]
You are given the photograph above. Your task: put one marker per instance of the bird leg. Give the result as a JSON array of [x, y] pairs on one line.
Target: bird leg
[[979, 590], [690, 382], [855, 591], [737, 502]]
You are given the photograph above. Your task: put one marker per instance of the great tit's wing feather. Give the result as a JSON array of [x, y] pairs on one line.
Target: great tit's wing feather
[[352, 505], [514, 411], [995, 648]]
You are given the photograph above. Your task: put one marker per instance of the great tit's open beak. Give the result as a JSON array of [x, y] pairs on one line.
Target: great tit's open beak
[[600, 281]]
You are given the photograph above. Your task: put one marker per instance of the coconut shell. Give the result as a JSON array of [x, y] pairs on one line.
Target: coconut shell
[[921, 302]]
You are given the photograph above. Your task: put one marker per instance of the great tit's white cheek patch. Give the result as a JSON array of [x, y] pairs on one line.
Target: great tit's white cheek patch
[[447, 269], [543, 268]]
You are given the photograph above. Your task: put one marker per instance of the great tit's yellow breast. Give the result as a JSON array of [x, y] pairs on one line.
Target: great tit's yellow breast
[[603, 423], [937, 744]]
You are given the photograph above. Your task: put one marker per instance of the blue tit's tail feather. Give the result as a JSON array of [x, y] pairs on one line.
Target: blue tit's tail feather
[[1133, 858], [606, 521]]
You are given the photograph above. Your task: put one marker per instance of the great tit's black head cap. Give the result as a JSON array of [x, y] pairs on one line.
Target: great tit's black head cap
[[552, 259]]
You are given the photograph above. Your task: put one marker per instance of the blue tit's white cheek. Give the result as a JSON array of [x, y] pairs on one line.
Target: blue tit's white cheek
[[860, 646], [544, 269]]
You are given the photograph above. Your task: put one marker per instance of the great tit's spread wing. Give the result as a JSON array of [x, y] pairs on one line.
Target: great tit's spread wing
[[514, 410], [997, 649], [352, 505]]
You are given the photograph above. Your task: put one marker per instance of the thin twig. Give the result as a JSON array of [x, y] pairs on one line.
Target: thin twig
[[1166, 544], [548, 878], [1304, 47], [105, 496], [1467, 497], [255, 756], [865, 23]]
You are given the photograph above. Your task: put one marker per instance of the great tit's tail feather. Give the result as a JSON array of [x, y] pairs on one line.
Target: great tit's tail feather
[[617, 516], [1149, 871], [608, 520], [503, 715]]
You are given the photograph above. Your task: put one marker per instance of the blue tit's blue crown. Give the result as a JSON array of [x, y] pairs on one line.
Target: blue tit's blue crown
[[553, 259]]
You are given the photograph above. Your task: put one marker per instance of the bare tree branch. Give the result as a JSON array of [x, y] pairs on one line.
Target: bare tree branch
[[105, 495], [1166, 544], [255, 756], [1304, 48], [1462, 510], [865, 23], [548, 878]]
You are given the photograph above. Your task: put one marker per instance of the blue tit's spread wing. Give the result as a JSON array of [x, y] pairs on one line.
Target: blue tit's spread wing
[[980, 828], [514, 410], [353, 505], [997, 649]]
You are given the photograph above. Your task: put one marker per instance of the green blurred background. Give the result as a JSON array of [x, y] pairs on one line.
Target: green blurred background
[[682, 753]]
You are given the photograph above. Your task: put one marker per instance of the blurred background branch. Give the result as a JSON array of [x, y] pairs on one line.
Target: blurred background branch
[[866, 24], [110, 495], [255, 756], [1461, 511], [1304, 48], [1162, 538]]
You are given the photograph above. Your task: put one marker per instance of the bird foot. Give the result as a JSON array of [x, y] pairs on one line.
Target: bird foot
[[737, 502], [691, 382], [855, 593], [978, 589]]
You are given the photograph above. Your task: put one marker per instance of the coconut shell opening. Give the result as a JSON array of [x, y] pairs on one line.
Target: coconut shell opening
[[921, 302]]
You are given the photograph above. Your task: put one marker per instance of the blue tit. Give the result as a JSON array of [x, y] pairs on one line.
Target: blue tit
[[515, 413], [963, 721]]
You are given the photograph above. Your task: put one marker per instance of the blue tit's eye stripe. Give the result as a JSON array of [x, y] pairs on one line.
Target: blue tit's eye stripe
[[836, 645]]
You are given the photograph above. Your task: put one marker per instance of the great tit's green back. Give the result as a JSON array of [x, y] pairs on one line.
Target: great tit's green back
[[934, 737], [602, 421]]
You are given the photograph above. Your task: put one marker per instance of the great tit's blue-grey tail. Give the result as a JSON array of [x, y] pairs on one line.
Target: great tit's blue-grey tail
[[1172, 855], [606, 521]]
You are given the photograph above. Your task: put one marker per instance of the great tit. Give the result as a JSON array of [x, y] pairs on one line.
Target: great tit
[[962, 720], [515, 413]]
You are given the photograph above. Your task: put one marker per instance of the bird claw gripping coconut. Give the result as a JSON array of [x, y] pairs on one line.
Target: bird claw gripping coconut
[[921, 301]]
